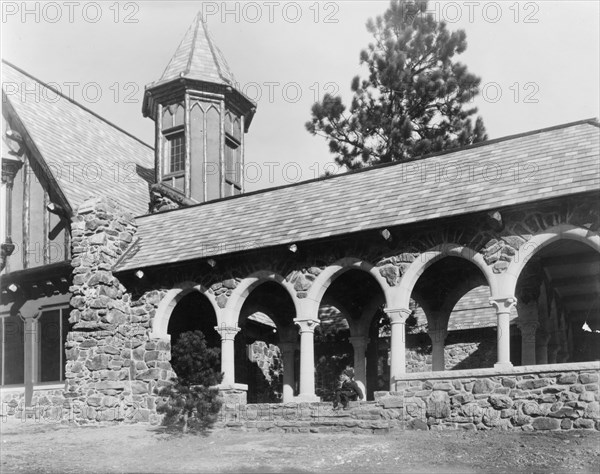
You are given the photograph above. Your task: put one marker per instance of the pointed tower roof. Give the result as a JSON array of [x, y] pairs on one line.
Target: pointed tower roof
[[198, 65], [197, 57]]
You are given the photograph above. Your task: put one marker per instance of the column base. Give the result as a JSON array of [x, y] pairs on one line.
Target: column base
[[306, 398], [503, 365], [234, 393]]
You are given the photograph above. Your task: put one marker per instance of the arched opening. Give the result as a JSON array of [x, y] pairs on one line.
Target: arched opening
[[194, 312], [342, 339], [266, 323], [558, 294], [452, 326]]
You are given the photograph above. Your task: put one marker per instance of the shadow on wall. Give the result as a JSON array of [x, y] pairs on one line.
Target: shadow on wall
[[264, 373], [463, 352]]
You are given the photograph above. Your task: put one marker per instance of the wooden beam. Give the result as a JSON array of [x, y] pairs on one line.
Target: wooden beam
[[25, 223]]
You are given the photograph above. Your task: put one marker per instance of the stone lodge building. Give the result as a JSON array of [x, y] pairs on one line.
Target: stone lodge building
[[467, 280]]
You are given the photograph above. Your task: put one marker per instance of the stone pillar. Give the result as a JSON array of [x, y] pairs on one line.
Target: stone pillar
[[289, 376], [31, 355], [438, 338], [528, 350], [227, 334], [398, 343], [307, 359], [503, 307], [108, 350], [359, 344], [541, 347]]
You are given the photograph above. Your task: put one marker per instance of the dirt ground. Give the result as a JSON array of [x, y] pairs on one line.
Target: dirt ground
[[43, 447]]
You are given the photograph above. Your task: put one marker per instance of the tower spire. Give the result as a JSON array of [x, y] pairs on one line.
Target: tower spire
[[197, 57], [201, 117]]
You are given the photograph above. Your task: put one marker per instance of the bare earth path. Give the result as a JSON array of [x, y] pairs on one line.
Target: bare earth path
[[43, 447]]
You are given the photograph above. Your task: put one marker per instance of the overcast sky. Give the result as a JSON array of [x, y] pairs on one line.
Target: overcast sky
[[539, 62]]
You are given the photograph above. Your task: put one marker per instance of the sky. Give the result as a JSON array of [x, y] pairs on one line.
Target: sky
[[539, 62]]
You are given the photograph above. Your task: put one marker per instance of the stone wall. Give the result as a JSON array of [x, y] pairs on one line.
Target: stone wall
[[551, 397], [562, 396], [113, 369]]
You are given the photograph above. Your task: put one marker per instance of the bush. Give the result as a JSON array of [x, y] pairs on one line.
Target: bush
[[191, 404]]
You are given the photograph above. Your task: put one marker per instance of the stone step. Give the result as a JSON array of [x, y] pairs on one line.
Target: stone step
[[361, 416]]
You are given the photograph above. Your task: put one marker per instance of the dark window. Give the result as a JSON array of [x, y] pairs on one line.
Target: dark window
[[53, 328], [233, 162], [176, 153], [13, 354]]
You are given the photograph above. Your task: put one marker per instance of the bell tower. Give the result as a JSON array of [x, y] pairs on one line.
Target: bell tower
[[201, 117]]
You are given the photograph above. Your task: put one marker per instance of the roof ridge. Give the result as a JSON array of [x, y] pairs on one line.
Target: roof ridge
[[212, 47], [590, 121], [188, 66], [77, 103]]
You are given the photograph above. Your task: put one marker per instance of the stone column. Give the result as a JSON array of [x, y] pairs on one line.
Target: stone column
[[397, 343], [528, 350], [227, 334], [503, 307], [359, 344], [541, 347], [438, 338], [307, 359], [31, 356], [289, 376]]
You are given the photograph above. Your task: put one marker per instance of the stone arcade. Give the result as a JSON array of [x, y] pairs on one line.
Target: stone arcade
[[457, 285]]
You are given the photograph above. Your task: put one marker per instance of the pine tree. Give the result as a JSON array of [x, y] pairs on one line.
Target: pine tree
[[191, 402], [415, 100]]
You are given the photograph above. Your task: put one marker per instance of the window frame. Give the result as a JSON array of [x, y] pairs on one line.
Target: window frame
[[63, 319], [237, 181], [169, 135]]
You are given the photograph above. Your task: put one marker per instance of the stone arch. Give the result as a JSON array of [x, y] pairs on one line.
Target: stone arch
[[330, 273], [402, 293], [245, 287], [537, 243], [160, 323]]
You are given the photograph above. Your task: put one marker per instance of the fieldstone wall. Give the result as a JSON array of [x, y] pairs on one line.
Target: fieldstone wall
[[113, 369], [46, 402], [550, 397], [267, 357]]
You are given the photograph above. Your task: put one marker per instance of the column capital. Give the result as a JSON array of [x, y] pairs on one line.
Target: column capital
[[10, 167], [30, 317], [528, 325], [227, 333], [398, 316], [306, 325], [503, 305]]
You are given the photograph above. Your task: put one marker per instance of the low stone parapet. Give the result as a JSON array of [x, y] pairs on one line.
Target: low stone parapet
[[543, 397]]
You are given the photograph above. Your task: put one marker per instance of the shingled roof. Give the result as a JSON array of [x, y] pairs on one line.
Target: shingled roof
[[197, 57], [525, 168], [68, 137]]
